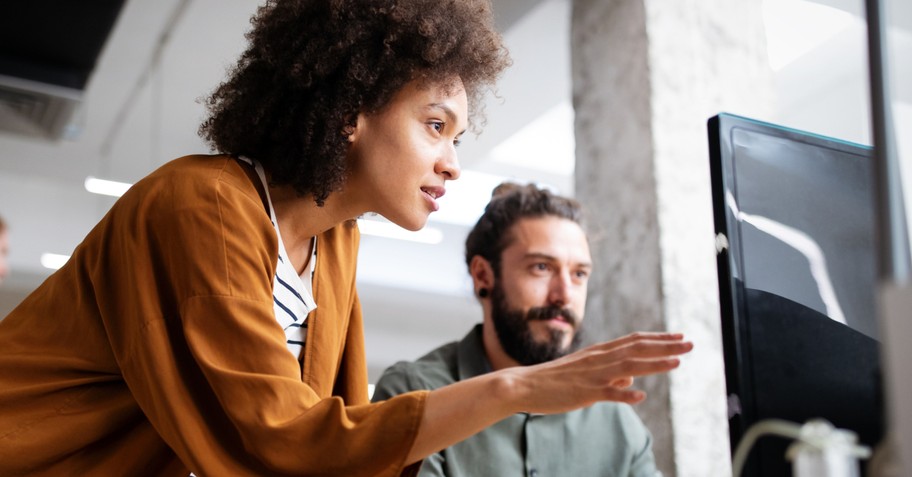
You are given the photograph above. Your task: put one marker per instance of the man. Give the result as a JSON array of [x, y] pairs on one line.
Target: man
[[4, 251], [529, 260]]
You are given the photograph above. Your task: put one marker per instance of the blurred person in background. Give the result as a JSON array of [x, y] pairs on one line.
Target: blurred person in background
[[4, 251]]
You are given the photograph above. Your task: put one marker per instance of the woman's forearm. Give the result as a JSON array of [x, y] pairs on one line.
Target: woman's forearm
[[601, 372], [456, 412]]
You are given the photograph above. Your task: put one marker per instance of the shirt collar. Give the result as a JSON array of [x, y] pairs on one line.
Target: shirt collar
[[471, 357]]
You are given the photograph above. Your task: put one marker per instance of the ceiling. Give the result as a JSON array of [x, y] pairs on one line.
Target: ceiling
[[141, 108]]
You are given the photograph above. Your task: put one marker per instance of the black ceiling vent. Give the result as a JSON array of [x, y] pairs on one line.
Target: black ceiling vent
[[48, 49]]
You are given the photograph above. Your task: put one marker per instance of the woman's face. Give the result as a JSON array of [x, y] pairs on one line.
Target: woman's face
[[402, 155]]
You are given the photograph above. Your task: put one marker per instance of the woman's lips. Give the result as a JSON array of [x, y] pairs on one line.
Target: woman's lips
[[432, 194]]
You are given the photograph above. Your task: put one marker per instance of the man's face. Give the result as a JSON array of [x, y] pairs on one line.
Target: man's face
[[537, 302]]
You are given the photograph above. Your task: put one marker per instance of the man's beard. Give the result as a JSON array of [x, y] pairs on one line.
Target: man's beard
[[516, 336]]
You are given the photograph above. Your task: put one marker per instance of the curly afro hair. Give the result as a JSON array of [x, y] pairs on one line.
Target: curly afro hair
[[311, 66]]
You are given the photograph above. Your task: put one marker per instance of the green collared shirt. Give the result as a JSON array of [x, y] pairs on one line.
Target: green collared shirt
[[606, 439]]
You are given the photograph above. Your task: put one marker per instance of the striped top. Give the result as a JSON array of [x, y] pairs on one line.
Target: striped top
[[292, 294]]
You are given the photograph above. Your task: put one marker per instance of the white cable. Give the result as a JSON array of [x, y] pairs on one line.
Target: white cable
[[776, 427], [814, 435]]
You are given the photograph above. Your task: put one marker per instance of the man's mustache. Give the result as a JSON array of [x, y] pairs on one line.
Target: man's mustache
[[551, 312]]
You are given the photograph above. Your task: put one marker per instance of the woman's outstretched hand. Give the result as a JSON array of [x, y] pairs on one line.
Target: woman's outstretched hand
[[601, 372]]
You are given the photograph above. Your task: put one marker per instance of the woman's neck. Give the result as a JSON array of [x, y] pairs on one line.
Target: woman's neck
[[300, 219]]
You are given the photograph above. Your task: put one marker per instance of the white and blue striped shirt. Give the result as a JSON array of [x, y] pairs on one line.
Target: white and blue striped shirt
[[292, 294]]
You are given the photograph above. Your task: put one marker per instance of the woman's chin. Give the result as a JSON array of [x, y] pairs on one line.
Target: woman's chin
[[412, 224]]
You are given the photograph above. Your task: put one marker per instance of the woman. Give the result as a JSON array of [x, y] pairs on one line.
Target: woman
[[210, 323]]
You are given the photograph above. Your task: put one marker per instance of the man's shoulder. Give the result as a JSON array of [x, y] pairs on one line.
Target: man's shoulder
[[437, 368], [433, 370]]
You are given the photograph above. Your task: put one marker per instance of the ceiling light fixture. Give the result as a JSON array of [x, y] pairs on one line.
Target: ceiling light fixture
[[428, 235], [106, 187], [53, 260], [466, 199]]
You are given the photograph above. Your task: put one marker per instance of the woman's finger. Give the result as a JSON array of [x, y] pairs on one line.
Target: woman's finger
[[639, 337], [646, 349], [634, 367], [622, 383], [629, 396]]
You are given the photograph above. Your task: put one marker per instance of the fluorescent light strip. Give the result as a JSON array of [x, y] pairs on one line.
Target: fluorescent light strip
[[105, 187], [429, 235], [53, 260]]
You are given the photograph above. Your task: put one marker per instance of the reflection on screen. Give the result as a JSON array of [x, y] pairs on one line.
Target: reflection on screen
[[806, 236]]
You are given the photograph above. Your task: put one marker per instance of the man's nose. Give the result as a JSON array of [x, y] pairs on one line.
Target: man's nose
[[559, 293]]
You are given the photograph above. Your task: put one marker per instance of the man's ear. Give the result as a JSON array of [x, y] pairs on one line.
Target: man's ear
[[482, 273]]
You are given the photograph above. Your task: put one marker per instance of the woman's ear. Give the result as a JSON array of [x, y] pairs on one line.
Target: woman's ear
[[349, 132], [352, 129]]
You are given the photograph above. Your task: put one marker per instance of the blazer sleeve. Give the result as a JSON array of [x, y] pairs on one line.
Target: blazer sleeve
[[399, 379], [189, 310]]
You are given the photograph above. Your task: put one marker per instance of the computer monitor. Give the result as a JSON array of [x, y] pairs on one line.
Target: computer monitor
[[794, 218]]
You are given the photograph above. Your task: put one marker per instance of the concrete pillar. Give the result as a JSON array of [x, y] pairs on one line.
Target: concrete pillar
[[647, 74]]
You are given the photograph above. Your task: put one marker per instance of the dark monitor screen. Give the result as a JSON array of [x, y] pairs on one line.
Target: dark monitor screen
[[794, 218]]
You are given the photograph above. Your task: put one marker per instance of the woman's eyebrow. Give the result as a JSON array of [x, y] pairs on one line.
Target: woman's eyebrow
[[448, 111]]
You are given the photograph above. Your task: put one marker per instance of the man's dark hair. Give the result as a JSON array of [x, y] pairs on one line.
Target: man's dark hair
[[311, 66], [509, 204]]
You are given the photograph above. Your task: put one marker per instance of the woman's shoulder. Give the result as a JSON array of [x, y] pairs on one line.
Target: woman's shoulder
[[198, 168], [194, 192], [197, 179]]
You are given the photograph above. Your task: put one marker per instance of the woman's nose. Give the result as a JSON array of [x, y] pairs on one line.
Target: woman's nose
[[448, 165]]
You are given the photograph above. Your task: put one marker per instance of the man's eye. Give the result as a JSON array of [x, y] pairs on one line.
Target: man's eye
[[457, 141], [437, 125]]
